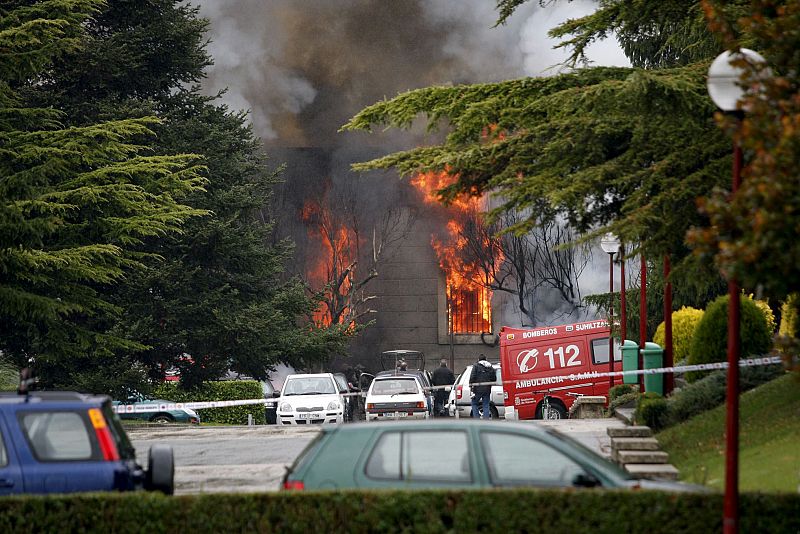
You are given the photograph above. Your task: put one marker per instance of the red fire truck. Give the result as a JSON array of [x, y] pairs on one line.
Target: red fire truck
[[537, 363]]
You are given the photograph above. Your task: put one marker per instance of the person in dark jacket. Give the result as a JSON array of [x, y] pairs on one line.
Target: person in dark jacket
[[442, 376], [482, 373]]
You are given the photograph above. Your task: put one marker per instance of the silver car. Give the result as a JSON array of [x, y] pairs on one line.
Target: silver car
[[460, 401]]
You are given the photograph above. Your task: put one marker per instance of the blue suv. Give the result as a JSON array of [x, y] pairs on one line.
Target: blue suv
[[65, 442]]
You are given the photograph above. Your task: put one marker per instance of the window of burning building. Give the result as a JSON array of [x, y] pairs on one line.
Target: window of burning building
[[469, 310]]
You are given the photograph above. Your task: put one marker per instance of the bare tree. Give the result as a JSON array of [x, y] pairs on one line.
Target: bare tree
[[529, 265], [355, 240]]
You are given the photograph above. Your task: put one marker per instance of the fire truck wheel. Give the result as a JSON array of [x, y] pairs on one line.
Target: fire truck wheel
[[557, 411]]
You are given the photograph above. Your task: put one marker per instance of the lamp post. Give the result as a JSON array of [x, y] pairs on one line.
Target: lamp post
[[610, 245], [623, 324], [725, 89]]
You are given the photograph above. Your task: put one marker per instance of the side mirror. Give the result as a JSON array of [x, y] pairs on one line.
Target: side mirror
[[585, 480], [276, 394]]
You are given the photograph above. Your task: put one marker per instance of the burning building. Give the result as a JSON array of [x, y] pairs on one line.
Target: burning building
[[380, 249]]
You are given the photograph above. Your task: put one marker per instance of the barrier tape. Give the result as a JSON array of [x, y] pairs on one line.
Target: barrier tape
[[533, 382], [575, 377]]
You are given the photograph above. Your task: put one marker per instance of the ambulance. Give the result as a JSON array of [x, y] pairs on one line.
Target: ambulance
[[557, 362]]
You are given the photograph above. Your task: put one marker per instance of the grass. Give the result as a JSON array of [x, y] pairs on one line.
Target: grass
[[769, 441]]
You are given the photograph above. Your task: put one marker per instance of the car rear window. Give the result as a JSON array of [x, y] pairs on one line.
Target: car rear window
[[395, 386], [58, 436]]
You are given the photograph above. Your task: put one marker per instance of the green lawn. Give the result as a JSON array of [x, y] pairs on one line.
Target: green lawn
[[769, 441]]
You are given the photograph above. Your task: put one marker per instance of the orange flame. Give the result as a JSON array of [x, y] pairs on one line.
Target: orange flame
[[336, 253], [470, 301]]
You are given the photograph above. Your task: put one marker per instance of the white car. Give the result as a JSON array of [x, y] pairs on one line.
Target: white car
[[310, 399], [396, 397], [460, 400]]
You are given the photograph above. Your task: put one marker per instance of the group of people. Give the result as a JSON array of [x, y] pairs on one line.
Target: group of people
[[481, 379]]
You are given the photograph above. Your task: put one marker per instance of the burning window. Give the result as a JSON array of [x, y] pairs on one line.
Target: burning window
[[460, 246], [469, 310]]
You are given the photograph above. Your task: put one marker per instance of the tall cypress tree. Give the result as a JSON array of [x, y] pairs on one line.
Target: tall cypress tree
[[78, 205], [217, 297]]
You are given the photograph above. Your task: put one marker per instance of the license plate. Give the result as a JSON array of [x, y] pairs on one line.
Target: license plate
[[309, 416], [395, 414]]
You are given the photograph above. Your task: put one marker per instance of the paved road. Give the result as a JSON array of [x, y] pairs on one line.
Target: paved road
[[221, 459]]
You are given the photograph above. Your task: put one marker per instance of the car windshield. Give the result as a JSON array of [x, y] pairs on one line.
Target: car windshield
[[395, 386], [319, 385]]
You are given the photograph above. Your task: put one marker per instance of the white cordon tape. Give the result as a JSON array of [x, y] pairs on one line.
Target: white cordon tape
[[171, 406], [176, 406]]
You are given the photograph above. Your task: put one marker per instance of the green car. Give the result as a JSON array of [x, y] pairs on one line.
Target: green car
[[463, 453], [154, 414]]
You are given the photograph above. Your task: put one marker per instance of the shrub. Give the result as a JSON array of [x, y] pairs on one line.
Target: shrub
[[9, 375], [710, 341], [652, 410], [215, 391], [768, 314], [789, 323], [399, 511], [622, 400], [617, 391], [684, 323], [709, 392]]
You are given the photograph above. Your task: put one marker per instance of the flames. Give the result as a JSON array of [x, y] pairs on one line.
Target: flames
[[331, 271], [459, 249]]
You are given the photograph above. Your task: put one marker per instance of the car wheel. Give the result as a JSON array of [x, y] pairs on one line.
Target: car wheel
[[162, 418], [160, 469], [556, 411], [494, 413]]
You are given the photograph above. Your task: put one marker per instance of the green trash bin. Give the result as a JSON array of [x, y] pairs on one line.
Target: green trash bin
[[653, 356], [630, 361]]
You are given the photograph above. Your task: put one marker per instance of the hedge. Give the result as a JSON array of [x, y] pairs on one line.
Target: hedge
[[684, 323], [710, 340], [506, 510], [215, 391]]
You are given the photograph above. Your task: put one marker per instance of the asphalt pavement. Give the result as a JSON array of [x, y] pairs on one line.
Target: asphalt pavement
[[254, 458]]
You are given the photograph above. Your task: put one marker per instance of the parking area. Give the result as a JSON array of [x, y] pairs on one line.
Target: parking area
[[254, 458]]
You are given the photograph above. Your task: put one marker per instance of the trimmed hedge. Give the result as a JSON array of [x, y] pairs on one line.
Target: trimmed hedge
[[620, 390], [506, 510], [652, 410], [684, 323], [710, 341], [215, 391]]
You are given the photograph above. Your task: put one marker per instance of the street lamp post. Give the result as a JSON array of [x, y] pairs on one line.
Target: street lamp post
[[725, 89], [610, 245], [623, 325]]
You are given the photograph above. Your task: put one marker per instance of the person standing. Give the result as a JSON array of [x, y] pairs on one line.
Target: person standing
[[484, 374], [442, 376]]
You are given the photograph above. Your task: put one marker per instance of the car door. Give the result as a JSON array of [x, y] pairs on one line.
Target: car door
[[421, 459], [516, 459], [10, 472], [497, 394]]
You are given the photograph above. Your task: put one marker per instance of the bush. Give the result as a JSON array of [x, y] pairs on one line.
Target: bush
[[709, 392], [789, 323], [710, 341], [684, 323], [618, 391], [215, 391], [622, 400], [9, 376], [652, 410], [424, 511]]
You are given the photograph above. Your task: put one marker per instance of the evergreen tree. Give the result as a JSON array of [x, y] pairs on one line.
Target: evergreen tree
[[218, 296], [77, 204]]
